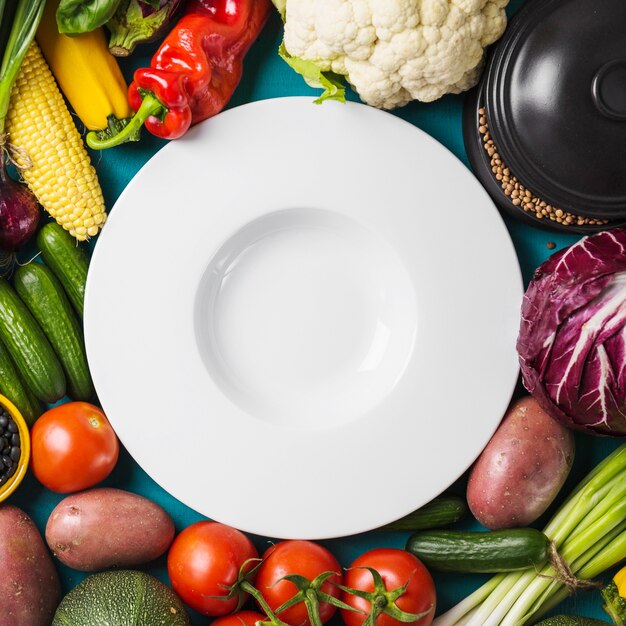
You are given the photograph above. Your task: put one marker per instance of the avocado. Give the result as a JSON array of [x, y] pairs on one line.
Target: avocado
[[570, 620], [121, 598]]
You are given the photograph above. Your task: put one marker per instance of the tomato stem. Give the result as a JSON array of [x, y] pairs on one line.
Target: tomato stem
[[272, 618], [383, 600], [312, 606]]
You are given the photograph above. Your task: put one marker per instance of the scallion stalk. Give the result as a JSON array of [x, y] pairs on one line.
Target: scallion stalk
[[25, 21], [469, 605], [596, 560], [546, 580]]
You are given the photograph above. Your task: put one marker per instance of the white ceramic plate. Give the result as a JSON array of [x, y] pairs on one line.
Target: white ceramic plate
[[301, 319]]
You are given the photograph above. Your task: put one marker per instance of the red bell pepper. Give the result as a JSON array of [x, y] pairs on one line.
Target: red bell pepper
[[195, 71]]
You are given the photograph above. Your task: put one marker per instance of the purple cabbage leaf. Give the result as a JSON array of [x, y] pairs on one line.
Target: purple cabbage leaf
[[572, 340]]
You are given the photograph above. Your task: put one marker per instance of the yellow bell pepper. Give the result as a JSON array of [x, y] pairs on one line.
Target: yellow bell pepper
[[87, 74]]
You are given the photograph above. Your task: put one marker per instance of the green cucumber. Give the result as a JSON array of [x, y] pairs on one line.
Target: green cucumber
[[44, 296], [12, 387], [68, 261], [441, 511], [480, 552], [29, 348]]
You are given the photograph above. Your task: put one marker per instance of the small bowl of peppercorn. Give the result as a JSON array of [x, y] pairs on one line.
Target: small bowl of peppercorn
[[14, 448]]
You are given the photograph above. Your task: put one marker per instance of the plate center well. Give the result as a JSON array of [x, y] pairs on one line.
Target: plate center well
[[305, 318]]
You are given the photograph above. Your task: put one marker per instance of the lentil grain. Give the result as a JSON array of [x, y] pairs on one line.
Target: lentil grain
[[519, 195]]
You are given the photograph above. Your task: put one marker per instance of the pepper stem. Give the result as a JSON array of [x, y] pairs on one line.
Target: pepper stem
[[150, 106]]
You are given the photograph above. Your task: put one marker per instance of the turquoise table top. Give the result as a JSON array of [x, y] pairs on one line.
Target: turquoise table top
[[266, 76]]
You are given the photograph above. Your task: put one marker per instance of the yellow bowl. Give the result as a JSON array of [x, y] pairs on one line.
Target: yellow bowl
[[22, 465]]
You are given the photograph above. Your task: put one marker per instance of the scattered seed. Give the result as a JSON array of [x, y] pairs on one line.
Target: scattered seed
[[519, 195]]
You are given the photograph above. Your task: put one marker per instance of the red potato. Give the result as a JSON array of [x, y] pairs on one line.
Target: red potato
[[29, 584], [102, 528], [522, 468]]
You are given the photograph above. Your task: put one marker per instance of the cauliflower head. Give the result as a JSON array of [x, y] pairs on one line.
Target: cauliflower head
[[392, 51]]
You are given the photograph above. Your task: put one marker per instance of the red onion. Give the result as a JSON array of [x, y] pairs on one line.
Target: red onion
[[19, 212]]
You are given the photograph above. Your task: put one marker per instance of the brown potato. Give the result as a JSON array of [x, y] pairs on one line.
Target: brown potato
[[522, 468], [103, 528], [29, 584]]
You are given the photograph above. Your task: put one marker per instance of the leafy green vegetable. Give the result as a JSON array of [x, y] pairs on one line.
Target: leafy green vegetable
[[332, 84], [82, 16], [139, 21], [281, 6]]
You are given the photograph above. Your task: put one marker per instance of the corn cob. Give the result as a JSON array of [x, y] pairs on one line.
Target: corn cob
[[50, 151]]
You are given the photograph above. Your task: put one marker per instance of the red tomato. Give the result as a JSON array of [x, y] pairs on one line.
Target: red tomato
[[204, 563], [296, 557], [73, 447], [241, 618], [396, 567]]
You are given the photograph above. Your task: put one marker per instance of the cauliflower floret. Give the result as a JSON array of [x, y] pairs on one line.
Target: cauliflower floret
[[395, 51]]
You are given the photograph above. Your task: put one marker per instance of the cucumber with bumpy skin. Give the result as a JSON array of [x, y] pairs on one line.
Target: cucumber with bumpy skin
[[480, 552], [12, 387], [44, 296], [67, 260], [29, 348], [441, 511], [614, 595]]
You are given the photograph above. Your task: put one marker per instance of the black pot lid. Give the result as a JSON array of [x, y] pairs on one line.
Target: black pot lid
[[555, 94]]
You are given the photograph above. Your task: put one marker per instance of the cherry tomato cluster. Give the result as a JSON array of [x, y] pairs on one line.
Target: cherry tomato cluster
[[215, 568]]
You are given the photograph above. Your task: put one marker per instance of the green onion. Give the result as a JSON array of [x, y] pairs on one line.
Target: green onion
[[589, 531], [26, 15], [600, 559]]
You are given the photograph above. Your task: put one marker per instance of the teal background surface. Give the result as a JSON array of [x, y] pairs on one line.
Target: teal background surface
[[266, 76]]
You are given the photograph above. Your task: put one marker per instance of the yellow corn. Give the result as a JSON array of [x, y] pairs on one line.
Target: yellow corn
[[86, 72], [51, 154]]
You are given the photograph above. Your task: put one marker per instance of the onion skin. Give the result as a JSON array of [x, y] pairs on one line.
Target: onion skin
[[19, 212]]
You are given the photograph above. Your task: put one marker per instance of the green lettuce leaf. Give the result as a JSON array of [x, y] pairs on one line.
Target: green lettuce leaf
[[281, 6], [332, 84]]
